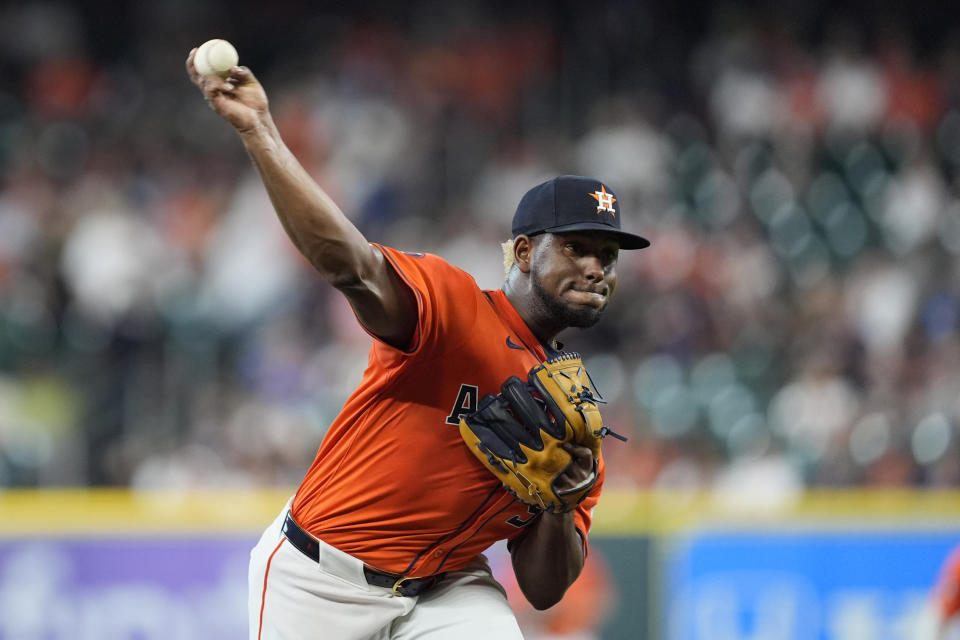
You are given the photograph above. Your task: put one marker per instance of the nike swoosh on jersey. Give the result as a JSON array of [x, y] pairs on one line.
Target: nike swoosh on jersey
[[512, 344]]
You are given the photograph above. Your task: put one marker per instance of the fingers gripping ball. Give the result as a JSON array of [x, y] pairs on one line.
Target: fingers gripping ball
[[519, 433], [215, 58]]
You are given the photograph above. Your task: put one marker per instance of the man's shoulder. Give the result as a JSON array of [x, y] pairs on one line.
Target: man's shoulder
[[430, 264]]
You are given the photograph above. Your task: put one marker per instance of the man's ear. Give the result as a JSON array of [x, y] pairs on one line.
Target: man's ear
[[522, 252]]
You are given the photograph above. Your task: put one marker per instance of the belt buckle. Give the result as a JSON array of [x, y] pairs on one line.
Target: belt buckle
[[399, 584]]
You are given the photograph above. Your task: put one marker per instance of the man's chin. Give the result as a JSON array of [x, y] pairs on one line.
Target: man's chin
[[566, 312], [582, 316]]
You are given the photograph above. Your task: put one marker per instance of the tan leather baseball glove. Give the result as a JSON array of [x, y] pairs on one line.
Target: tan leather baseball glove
[[518, 433]]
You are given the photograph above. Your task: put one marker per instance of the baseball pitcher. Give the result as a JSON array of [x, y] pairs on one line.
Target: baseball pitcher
[[470, 424]]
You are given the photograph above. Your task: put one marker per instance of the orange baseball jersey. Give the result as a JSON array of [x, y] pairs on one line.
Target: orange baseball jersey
[[393, 483], [948, 586]]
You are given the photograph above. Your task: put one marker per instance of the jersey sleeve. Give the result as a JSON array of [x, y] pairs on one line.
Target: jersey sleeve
[[446, 301], [582, 515]]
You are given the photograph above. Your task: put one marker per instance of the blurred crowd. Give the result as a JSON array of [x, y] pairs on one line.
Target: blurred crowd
[[795, 323]]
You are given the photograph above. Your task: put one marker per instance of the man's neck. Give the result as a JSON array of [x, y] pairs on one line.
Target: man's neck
[[520, 300]]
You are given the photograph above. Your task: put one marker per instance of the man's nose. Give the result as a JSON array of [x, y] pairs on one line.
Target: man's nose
[[592, 268]]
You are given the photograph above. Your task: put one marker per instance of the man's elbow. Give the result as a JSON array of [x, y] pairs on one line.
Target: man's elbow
[[542, 600], [340, 264], [544, 604]]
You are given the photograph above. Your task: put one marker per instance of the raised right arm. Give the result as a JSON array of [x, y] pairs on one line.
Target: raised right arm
[[316, 225]]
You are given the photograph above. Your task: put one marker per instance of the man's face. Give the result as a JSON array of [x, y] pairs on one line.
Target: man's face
[[573, 275]]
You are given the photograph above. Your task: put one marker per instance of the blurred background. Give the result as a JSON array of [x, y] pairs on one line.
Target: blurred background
[[793, 328]]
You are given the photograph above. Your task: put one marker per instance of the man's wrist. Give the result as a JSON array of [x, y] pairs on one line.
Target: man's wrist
[[262, 133], [558, 517]]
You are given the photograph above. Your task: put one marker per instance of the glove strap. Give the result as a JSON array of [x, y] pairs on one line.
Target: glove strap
[[531, 488], [605, 431]]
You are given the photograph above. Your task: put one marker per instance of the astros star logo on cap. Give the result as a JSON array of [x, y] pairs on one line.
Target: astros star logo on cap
[[604, 200]]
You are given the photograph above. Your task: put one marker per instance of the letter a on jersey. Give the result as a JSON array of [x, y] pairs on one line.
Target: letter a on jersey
[[465, 403]]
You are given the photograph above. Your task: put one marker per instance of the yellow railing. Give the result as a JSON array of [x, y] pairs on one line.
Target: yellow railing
[[98, 511], [668, 512]]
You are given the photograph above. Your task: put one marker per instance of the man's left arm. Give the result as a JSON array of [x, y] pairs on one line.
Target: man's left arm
[[550, 554]]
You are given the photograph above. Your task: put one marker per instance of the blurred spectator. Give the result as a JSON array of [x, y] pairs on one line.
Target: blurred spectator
[[795, 322], [946, 598]]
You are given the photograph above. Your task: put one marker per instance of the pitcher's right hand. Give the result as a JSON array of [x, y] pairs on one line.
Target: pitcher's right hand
[[239, 98]]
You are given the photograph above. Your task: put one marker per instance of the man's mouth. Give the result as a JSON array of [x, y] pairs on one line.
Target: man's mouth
[[588, 297]]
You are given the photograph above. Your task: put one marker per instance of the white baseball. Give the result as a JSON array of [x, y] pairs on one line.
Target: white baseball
[[215, 57]]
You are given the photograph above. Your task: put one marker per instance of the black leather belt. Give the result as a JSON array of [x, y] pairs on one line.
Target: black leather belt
[[400, 585]]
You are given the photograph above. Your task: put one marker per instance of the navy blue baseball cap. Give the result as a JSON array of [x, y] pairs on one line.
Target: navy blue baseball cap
[[572, 203]]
